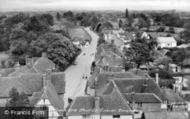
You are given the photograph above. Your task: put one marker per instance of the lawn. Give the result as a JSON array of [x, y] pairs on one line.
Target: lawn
[[80, 33]]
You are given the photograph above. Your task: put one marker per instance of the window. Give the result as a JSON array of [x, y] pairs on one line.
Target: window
[[116, 116], [139, 105]]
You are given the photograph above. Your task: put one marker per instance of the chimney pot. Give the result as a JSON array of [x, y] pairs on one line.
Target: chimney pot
[[44, 54]]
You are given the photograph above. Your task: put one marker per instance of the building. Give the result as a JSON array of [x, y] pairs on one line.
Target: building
[[103, 79], [109, 106], [165, 115], [174, 101], [48, 97], [143, 94], [167, 42], [30, 83]]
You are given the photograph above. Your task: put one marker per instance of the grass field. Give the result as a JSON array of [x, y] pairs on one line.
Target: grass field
[[80, 33]]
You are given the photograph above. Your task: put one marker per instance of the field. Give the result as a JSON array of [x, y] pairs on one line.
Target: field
[[80, 33], [177, 30]]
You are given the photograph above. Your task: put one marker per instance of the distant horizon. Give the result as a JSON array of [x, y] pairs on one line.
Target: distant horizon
[[97, 5]]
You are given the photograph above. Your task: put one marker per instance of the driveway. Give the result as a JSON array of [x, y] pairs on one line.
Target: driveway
[[74, 74]]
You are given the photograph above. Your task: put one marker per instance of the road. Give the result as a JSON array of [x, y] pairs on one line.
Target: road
[[74, 81]]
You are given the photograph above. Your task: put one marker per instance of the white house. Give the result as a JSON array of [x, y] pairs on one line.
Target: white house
[[175, 68], [166, 42]]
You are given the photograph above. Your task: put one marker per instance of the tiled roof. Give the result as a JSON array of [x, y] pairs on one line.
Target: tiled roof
[[142, 98], [30, 83], [5, 72], [110, 47], [138, 72], [165, 115], [43, 64], [21, 70], [103, 78], [172, 97], [137, 86], [109, 105], [49, 92]]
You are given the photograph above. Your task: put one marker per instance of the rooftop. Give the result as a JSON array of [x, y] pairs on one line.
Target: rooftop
[[166, 40]]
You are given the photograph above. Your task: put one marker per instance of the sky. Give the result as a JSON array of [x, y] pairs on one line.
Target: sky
[[28, 5]]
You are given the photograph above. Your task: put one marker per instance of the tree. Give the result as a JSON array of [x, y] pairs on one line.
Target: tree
[[59, 49], [58, 16], [126, 13], [185, 35], [17, 99]]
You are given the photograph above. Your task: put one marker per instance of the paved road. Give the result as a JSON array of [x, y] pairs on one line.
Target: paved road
[[74, 81]]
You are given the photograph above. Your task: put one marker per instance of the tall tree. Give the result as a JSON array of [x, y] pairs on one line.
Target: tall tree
[[59, 49], [127, 13], [58, 16]]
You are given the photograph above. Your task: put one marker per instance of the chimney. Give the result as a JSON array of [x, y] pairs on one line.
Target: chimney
[[145, 84], [157, 78], [28, 61], [44, 80], [17, 65], [95, 86], [132, 100], [46, 77], [44, 54], [97, 105]]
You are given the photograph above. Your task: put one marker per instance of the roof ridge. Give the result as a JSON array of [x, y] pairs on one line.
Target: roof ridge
[[125, 102]]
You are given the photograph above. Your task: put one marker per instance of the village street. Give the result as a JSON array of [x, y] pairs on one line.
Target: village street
[[75, 83]]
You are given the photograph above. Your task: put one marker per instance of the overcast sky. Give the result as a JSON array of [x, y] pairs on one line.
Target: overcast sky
[[7, 5]]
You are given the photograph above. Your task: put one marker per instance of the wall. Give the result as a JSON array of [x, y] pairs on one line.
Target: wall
[[52, 112], [148, 106], [121, 117]]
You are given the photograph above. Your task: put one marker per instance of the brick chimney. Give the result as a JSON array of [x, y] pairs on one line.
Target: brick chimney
[[44, 54], [28, 61], [46, 77], [97, 105]]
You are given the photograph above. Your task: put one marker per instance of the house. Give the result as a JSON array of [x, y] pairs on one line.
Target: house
[[168, 42], [186, 65], [48, 97], [30, 83], [165, 115], [107, 34], [103, 79], [174, 101], [109, 106], [143, 94], [175, 68]]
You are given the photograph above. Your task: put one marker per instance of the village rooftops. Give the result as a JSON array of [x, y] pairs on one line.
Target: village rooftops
[[108, 105], [172, 97], [165, 115], [110, 47], [139, 86], [30, 83], [49, 92], [104, 78]]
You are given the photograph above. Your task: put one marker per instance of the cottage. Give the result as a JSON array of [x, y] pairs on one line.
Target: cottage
[[30, 83], [168, 42], [48, 97], [165, 115], [109, 106], [174, 101], [143, 94], [103, 80]]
